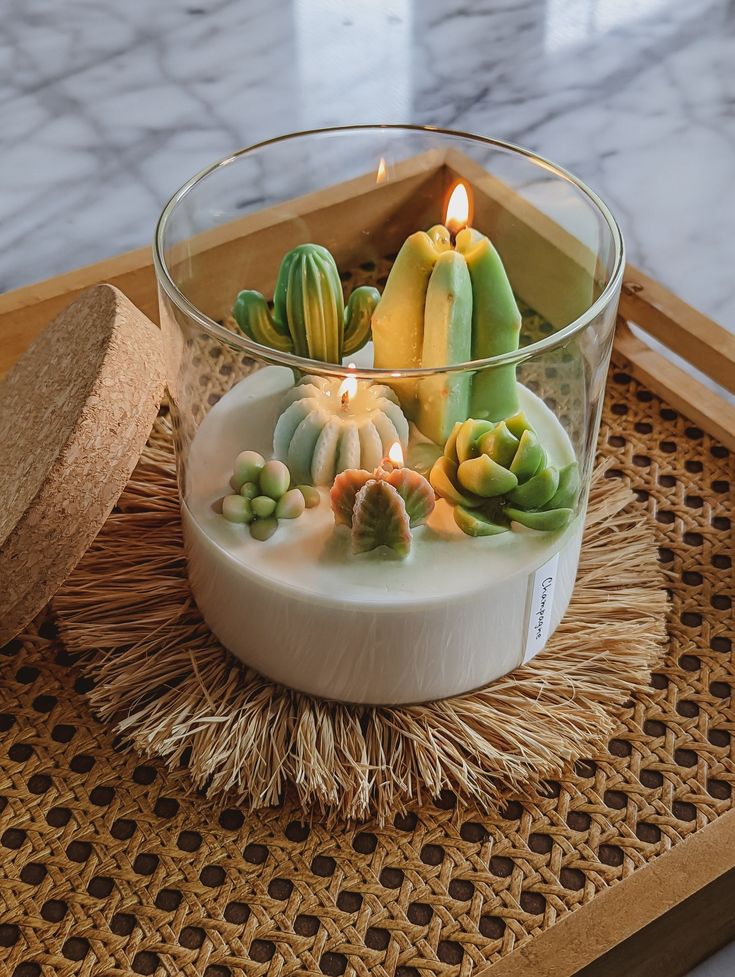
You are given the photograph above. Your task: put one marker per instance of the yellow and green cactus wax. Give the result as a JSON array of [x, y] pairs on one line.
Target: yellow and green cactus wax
[[494, 475], [441, 236], [253, 316], [309, 316], [443, 304], [496, 326], [445, 399], [398, 321]]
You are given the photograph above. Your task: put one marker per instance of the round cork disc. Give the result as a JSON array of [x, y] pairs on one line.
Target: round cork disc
[[75, 412]]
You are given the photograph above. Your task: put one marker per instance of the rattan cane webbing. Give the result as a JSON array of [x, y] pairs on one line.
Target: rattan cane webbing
[[108, 868]]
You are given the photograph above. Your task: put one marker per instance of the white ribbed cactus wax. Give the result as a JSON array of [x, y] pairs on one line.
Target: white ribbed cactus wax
[[329, 425]]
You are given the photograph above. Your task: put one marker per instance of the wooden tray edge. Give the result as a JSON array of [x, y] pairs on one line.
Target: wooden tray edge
[[583, 939]]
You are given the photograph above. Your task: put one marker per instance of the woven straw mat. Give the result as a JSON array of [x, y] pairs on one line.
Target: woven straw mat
[[108, 867]]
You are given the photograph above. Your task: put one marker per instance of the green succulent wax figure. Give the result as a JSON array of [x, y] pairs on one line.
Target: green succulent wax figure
[[254, 318], [443, 400], [496, 326], [309, 317], [263, 496], [497, 474]]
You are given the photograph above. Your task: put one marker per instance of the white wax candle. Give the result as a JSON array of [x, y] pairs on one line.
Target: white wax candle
[[302, 610], [329, 425]]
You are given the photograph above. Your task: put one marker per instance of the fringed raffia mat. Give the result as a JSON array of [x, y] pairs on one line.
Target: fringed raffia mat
[[174, 692]]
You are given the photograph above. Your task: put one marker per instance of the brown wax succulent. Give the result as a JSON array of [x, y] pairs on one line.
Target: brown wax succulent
[[380, 508]]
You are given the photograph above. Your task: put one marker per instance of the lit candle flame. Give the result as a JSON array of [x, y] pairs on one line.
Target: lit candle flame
[[347, 390], [457, 214], [395, 454], [382, 171]]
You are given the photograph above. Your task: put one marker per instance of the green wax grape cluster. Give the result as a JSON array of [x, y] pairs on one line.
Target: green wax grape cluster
[[494, 474], [264, 495], [309, 316]]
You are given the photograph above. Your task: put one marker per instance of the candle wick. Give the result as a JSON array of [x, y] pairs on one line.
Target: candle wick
[[345, 399]]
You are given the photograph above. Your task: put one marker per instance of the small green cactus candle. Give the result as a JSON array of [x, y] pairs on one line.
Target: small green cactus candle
[[309, 317], [498, 474]]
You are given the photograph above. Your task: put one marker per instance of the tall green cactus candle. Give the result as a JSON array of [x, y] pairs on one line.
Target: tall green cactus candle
[[448, 302], [496, 326], [309, 297]]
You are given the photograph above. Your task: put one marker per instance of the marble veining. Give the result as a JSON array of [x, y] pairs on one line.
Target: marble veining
[[107, 107]]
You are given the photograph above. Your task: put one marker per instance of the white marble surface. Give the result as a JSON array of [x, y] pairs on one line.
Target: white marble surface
[[721, 964], [107, 106]]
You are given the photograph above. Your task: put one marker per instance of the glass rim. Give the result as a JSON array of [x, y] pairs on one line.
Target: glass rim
[[319, 367]]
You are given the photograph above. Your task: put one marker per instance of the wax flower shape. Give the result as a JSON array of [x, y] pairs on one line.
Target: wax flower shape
[[309, 317], [381, 508], [328, 426], [263, 496], [495, 474], [445, 304]]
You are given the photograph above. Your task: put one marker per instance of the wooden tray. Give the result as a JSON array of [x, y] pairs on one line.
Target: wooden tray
[[628, 866]]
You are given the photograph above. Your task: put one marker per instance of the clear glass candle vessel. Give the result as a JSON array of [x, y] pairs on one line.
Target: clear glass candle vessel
[[365, 597]]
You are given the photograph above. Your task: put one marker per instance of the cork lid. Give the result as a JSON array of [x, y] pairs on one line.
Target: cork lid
[[75, 413]]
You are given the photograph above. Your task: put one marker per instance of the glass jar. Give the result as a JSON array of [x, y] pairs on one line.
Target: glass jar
[[486, 582]]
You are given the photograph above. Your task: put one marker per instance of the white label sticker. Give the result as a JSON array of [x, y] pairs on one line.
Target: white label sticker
[[540, 606]]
